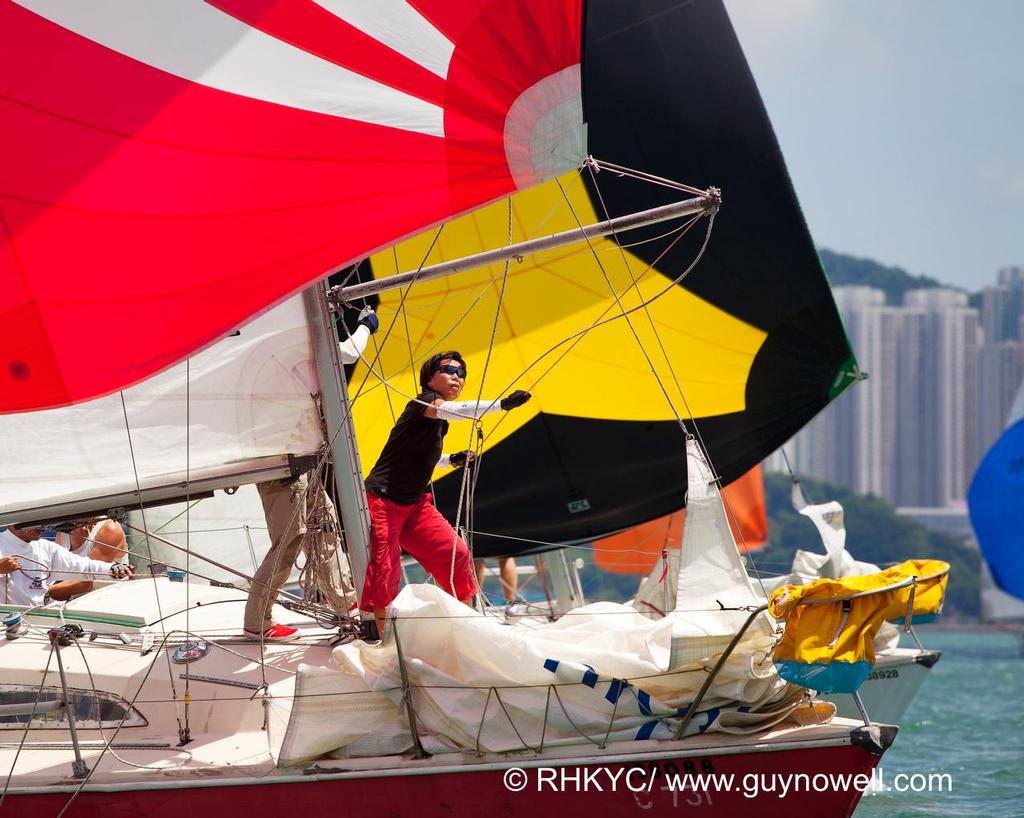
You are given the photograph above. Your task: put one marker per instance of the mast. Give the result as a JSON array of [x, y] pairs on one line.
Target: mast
[[341, 436]]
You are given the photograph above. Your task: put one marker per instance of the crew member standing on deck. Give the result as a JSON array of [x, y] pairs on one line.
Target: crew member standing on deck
[[287, 505], [402, 512]]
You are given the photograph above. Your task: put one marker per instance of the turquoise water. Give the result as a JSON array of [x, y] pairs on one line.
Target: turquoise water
[[968, 721]]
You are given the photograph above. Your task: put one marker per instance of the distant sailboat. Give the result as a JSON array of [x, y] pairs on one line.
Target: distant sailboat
[[997, 514]]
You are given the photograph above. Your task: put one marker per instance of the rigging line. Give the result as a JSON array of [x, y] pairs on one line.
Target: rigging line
[[578, 336], [210, 530], [28, 724], [568, 718], [131, 705], [177, 547], [707, 454], [642, 175], [348, 409], [734, 524], [185, 736], [483, 716], [378, 348], [99, 719], [541, 567], [622, 308], [293, 518], [479, 397], [789, 468], [317, 576], [511, 722], [401, 305], [331, 492], [730, 512], [165, 524], [353, 271], [651, 240], [636, 283], [552, 545], [405, 320], [749, 555], [386, 383], [149, 547]]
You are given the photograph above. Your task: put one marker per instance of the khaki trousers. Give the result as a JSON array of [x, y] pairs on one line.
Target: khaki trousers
[[285, 507]]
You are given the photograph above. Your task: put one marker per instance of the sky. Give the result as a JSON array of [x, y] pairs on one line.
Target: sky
[[902, 124]]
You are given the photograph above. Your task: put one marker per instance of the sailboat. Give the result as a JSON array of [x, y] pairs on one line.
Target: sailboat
[[898, 672], [359, 129], [992, 502], [654, 550]]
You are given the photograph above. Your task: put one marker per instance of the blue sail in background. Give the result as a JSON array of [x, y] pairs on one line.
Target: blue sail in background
[[996, 504]]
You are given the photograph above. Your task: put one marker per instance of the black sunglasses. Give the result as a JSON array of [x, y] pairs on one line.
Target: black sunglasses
[[452, 369]]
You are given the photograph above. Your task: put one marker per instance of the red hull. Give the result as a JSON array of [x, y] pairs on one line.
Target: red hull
[[438, 793]]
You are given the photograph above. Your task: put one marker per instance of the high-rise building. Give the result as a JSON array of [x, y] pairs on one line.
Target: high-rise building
[[916, 415], [868, 416], [907, 433], [1000, 372], [948, 379], [1002, 307]]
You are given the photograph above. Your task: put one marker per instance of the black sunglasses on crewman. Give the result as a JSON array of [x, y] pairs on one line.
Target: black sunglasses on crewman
[[452, 369]]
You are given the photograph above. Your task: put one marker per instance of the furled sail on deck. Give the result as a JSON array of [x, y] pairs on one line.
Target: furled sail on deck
[[755, 342], [170, 169]]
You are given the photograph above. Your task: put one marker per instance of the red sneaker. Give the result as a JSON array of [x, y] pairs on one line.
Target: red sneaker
[[275, 633]]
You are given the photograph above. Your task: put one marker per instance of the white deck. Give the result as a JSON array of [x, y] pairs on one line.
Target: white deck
[[233, 720]]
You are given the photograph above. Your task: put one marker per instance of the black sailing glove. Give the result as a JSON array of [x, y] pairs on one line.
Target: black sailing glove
[[460, 458], [368, 318], [517, 398]]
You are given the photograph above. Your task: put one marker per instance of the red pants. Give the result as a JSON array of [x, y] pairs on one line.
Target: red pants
[[425, 534]]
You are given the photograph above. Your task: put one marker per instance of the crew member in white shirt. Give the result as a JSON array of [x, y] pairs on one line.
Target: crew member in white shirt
[[99, 539], [28, 564]]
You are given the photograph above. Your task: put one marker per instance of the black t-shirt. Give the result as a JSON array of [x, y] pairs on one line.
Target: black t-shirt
[[402, 472]]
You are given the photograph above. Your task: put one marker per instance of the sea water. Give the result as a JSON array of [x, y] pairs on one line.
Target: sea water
[[967, 722]]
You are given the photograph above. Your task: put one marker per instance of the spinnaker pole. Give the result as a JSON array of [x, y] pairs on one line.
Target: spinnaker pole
[[341, 434], [707, 203]]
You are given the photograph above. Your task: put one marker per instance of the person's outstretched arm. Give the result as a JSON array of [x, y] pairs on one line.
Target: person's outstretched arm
[[65, 565], [469, 409], [352, 347]]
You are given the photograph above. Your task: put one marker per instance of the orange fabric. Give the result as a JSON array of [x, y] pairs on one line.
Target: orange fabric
[[637, 550]]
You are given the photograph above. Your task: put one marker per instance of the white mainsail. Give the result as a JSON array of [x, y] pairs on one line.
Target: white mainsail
[[230, 415]]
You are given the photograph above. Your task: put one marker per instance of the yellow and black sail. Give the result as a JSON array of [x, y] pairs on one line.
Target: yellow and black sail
[[746, 349]]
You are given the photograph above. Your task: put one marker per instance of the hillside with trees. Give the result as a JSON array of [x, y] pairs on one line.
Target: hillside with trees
[[849, 271], [874, 533]]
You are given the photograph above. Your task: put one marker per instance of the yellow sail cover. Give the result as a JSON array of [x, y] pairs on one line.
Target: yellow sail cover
[[829, 646]]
